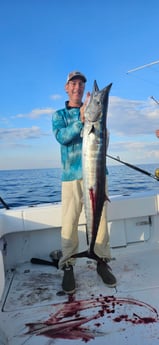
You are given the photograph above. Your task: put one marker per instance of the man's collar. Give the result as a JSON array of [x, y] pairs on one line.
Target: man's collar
[[69, 107]]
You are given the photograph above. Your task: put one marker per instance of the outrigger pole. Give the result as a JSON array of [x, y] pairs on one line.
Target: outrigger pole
[[144, 66], [155, 177]]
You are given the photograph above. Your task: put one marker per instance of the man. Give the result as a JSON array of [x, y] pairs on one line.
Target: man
[[67, 126]]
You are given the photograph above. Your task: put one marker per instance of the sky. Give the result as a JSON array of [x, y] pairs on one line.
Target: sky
[[41, 41]]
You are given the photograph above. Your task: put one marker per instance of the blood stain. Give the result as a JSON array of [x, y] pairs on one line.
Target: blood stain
[[67, 322]]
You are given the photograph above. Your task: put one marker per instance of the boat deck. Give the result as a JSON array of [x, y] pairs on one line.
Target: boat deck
[[35, 311]]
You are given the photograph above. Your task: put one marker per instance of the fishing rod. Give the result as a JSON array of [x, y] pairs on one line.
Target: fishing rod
[[4, 204], [156, 176], [155, 100]]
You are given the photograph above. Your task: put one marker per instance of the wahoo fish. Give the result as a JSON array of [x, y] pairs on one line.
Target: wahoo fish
[[94, 164]]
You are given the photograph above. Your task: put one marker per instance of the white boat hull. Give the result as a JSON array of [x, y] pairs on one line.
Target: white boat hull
[[33, 310]]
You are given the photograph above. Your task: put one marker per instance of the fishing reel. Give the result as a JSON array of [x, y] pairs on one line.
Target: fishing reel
[[157, 173]]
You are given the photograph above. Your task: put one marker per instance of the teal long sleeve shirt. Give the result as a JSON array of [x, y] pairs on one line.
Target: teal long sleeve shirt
[[67, 126]]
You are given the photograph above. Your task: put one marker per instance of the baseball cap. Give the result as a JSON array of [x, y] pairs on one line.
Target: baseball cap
[[75, 74]]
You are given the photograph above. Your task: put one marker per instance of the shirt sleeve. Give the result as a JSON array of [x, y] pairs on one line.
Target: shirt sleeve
[[65, 134]]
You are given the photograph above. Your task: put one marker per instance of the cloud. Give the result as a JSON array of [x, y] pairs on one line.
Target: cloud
[[131, 123], [133, 146], [55, 97], [16, 134], [125, 117], [134, 151], [130, 117], [36, 113]]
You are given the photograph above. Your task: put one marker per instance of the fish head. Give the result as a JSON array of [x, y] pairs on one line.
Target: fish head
[[98, 103]]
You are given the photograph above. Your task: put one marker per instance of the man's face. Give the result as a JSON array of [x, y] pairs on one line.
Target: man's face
[[75, 90]]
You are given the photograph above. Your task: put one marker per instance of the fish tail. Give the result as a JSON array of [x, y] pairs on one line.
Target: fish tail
[[87, 254]]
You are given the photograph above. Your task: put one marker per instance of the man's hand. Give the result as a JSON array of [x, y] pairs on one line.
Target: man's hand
[[82, 109], [157, 133]]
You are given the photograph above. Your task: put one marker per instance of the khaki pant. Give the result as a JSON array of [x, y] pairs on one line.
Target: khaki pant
[[72, 195]]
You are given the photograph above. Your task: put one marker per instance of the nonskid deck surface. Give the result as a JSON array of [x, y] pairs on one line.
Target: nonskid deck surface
[[36, 312]]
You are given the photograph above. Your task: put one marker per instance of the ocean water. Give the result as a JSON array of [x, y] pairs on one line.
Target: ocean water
[[40, 186]]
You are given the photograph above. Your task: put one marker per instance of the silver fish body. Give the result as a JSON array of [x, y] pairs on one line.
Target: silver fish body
[[94, 163]]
